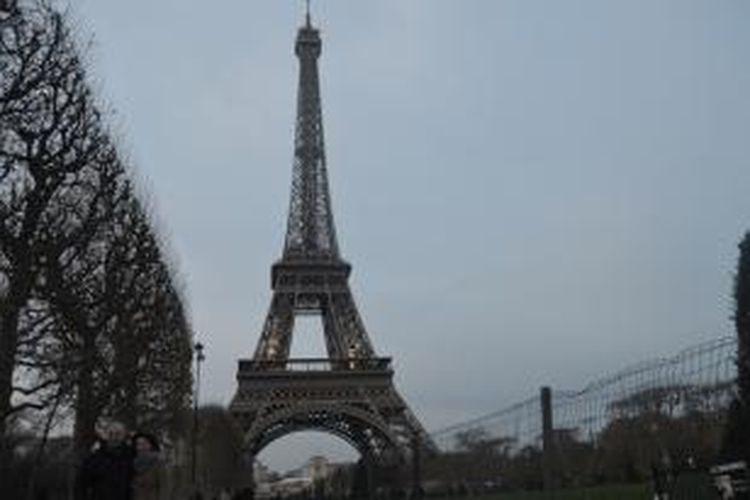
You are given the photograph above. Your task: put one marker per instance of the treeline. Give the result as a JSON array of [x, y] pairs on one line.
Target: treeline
[[92, 319], [737, 435]]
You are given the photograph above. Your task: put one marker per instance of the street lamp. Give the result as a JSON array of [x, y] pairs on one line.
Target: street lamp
[[199, 357]]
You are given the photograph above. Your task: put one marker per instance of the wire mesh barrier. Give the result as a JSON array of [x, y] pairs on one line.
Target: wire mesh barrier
[[646, 421]]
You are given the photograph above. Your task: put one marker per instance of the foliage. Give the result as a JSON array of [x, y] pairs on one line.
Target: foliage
[[220, 451], [737, 434]]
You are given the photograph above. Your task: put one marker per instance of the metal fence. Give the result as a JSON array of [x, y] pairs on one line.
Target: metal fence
[[699, 378]]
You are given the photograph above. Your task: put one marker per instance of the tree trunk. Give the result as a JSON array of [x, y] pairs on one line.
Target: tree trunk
[[84, 431], [8, 342], [129, 377]]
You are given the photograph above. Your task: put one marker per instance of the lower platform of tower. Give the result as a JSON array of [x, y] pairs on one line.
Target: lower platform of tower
[[354, 399]]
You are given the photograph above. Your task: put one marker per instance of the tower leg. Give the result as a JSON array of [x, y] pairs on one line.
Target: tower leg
[[249, 488], [369, 474]]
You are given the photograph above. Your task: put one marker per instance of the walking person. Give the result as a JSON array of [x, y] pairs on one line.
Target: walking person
[[107, 473], [147, 467], [658, 478]]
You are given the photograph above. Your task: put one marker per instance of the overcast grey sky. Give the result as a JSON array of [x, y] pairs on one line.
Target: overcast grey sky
[[531, 192]]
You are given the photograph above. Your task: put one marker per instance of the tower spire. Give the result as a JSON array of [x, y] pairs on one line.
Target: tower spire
[[307, 13], [310, 229]]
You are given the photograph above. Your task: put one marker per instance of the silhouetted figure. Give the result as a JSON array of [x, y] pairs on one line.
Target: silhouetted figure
[[108, 472], [147, 468], [659, 480], [244, 494]]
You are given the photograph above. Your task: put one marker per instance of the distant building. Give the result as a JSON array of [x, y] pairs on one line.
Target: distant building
[[316, 472], [318, 468], [289, 486], [261, 473]]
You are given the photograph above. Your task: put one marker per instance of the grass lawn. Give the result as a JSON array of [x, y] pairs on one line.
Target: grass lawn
[[624, 492]]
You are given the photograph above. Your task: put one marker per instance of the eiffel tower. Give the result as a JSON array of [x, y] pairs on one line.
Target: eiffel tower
[[350, 393]]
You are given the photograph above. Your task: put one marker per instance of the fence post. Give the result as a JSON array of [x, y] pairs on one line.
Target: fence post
[[548, 444]]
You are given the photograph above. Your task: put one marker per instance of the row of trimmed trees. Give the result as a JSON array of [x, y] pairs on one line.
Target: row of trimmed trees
[[92, 319], [736, 444]]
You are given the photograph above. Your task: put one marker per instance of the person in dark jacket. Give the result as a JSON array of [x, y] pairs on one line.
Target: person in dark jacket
[[107, 473], [147, 467]]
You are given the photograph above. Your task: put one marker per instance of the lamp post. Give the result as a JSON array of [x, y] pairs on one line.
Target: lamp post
[[199, 357]]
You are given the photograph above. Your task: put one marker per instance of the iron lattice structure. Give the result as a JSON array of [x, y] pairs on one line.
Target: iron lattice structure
[[351, 393]]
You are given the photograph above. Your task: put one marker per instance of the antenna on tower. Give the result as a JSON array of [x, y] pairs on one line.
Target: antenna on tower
[[307, 12]]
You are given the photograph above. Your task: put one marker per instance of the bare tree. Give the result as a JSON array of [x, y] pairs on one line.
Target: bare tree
[[48, 138], [123, 338], [91, 317]]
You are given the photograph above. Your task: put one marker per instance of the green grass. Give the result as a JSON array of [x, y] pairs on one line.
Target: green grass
[[623, 492]]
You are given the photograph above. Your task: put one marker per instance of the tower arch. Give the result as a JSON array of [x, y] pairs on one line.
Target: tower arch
[[371, 438]]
